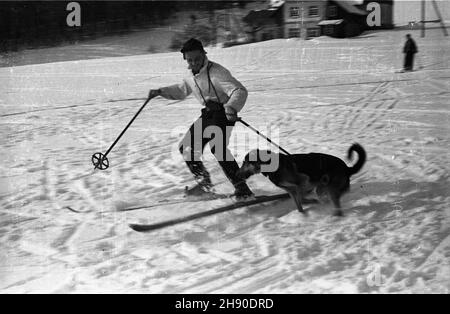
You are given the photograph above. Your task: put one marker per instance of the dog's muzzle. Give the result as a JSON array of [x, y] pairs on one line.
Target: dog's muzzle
[[242, 174]]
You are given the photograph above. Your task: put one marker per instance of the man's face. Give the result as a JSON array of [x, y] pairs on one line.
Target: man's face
[[195, 60]]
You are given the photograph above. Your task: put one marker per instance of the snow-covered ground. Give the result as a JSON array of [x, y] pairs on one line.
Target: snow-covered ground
[[321, 95]]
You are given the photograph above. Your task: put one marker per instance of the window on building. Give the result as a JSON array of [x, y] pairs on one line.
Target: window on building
[[313, 11], [267, 35], [294, 32], [294, 12], [313, 32], [332, 11], [328, 29]]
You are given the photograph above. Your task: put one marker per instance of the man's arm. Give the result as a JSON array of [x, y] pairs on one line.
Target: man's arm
[[173, 92], [236, 92]]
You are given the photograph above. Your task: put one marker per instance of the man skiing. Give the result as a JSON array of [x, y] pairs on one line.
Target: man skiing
[[222, 97], [409, 50]]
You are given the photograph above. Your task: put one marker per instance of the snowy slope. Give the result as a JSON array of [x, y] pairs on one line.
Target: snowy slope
[[321, 95]]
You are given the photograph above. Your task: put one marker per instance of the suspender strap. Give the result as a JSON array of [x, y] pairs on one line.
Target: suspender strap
[[200, 91], [210, 83]]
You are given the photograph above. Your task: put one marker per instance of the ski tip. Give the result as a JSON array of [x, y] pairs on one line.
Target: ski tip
[[140, 228], [134, 227], [75, 210], [71, 209]]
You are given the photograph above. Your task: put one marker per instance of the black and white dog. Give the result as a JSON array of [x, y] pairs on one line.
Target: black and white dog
[[303, 174]]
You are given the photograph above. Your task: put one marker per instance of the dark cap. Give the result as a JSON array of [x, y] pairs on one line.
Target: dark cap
[[191, 45]]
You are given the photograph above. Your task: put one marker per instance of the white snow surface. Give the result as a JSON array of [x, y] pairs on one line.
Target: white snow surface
[[322, 95]]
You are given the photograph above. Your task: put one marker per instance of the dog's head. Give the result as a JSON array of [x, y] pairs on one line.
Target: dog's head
[[254, 163]]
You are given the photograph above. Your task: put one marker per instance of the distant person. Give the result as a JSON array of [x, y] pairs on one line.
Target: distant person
[[222, 97], [410, 49]]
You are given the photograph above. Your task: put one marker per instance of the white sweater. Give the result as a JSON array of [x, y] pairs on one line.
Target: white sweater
[[230, 91]]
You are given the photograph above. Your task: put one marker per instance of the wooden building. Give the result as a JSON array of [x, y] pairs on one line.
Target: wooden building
[[301, 18], [313, 18], [343, 19], [265, 24], [386, 8]]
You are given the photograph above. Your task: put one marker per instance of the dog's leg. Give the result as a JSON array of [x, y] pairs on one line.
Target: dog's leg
[[296, 196], [299, 198], [335, 198], [303, 184]]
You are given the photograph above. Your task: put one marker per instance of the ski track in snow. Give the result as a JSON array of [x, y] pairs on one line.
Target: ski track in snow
[[395, 234]]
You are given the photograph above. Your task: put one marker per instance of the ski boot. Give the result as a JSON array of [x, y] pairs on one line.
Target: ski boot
[[203, 187], [242, 192]]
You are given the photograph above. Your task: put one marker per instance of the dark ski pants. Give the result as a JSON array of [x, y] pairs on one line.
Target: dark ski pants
[[211, 127], [409, 61]]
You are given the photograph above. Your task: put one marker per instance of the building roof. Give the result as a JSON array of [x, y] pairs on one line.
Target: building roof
[[330, 22], [350, 7], [276, 4], [257, 16], [264, 15]]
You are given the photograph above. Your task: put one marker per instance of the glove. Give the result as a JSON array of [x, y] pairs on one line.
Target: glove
[[231, 114], [154, 93]]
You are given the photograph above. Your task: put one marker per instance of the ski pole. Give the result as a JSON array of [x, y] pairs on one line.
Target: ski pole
[[100, 160], [262, 135]]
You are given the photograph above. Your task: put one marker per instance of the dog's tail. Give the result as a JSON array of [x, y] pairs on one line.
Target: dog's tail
[[361, 158]]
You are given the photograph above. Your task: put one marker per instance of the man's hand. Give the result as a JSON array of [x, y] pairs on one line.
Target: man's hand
[[231, 114], [154, 93]]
